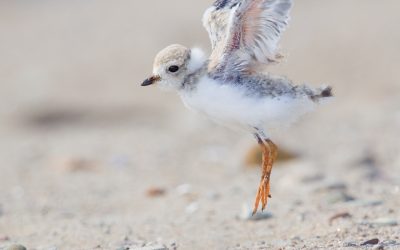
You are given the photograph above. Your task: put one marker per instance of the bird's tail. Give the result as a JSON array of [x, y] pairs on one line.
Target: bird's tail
[[322, 94]]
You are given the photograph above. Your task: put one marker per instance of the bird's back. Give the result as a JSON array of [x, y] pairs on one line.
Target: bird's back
[[269, 86]]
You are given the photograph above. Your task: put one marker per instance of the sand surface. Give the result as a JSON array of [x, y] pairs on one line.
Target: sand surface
[[90, 160]]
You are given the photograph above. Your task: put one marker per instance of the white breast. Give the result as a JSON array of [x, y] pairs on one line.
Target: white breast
[[227, 104]]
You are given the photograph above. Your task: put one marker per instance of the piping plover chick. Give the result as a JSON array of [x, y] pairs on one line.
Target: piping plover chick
[[228, 86]]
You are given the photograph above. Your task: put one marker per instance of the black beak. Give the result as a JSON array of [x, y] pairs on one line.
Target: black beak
[[150, 80]]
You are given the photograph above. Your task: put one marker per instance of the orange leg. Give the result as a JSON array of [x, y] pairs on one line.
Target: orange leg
[[270, 153]]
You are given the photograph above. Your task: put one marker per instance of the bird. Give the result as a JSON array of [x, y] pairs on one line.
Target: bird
[[231, 86]]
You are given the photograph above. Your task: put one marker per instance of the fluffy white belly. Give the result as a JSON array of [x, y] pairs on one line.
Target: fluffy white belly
[[228, 104]]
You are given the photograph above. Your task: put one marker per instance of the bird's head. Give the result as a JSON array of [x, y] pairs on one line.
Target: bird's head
[[172, 65]]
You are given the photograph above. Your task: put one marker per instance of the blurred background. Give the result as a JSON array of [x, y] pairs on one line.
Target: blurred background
[[90, 160]]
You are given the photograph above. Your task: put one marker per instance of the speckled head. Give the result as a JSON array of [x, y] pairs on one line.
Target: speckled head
[[170, 67]]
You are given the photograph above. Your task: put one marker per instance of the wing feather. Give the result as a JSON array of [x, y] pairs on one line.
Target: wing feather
[[245, 34]]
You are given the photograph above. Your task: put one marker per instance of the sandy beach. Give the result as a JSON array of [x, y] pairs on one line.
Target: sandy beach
[[91, 160]]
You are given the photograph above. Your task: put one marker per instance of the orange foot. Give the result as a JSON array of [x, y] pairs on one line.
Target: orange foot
[[270, 152]]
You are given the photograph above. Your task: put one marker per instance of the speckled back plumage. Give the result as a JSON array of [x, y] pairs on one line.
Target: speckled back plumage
[[262, 85]]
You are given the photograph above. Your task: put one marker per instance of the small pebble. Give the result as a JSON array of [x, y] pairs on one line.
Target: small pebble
[[192, 208], [370, 242], [16, 247], [184, 189], [155, 192]]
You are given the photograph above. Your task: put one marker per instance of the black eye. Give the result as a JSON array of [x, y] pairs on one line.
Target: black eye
[[173, 68]]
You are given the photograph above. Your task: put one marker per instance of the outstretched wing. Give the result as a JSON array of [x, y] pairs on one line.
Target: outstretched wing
[[245, 33], [216, 21]]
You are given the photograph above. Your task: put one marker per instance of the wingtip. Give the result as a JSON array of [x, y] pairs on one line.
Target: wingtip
[[327, 92]]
